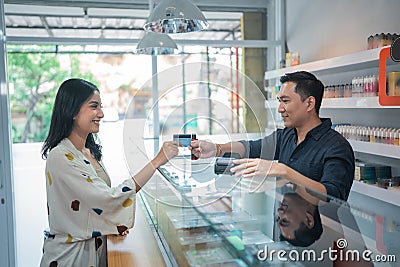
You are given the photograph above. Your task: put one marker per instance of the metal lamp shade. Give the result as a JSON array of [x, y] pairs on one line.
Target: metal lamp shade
[[176, 16], [156, 44]]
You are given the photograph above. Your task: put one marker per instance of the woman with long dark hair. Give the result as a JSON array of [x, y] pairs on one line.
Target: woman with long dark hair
[[83, 208]]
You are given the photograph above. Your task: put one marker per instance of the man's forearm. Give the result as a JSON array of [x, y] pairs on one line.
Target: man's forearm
[[232, 147], [299, 179]]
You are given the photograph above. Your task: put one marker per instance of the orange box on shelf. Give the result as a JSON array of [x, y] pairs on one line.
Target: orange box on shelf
[[384, 99]]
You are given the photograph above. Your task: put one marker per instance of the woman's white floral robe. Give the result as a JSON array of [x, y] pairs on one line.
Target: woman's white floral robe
[[82, 209]]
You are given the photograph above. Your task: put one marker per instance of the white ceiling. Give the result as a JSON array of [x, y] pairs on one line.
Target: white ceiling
[[116, 19]]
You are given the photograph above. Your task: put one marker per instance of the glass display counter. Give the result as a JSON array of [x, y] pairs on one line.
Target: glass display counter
[[206, 219]]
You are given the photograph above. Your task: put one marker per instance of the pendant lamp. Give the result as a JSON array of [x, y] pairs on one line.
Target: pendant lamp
[[176, 16], [156, 44]]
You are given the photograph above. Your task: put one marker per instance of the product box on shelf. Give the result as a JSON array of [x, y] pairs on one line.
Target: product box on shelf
[[371, 173], [384, 98], [393, 87], [393, 182]]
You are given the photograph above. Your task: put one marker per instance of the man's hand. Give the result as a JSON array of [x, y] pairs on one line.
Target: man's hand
[[203, 149], [249, 168]]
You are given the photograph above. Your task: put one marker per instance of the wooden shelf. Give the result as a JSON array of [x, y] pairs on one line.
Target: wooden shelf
[[390, 151], [364, 60], [340, 103], [361, 60], [353, 102], [391, 196], [378, 149]]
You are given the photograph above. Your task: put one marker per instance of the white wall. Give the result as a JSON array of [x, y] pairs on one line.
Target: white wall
[[321, 29]]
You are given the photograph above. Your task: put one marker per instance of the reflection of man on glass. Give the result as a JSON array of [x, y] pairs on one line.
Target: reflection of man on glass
[[308, 151], [299, 220]]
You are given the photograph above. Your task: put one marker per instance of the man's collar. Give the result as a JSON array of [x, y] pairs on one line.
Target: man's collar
[[319, 130]]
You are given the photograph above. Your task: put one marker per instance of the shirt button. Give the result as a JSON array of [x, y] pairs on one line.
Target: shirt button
[[291, 159]]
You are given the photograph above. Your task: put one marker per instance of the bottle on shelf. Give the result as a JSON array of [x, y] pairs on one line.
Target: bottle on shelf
[[342, 89], [337, 91], [396, 137], [380, 40], [385, 40], [366, 86], [348, 91], [372, 135], [370, 42], [329, 92], [376, 42], [375, 85], [379, 136], [358, 86], [388, 139], [389, 136]]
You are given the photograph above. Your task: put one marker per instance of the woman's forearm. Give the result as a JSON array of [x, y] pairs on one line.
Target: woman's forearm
[[144, 175]]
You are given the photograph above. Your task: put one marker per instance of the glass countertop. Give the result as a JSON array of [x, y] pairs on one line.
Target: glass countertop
[[227, 220]]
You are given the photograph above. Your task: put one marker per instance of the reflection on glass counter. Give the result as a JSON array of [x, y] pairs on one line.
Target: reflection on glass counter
[[224, 220]]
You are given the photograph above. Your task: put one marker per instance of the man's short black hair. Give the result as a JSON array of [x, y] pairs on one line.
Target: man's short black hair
[[306, 85], [304, 236]]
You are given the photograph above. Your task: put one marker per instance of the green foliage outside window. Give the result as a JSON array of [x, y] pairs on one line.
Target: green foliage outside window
[[33, 81]]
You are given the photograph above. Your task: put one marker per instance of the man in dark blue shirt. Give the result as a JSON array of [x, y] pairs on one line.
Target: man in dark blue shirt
[[306, 152]]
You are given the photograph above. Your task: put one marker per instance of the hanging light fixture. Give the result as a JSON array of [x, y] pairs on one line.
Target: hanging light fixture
[[156, 44], [176, 16]]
